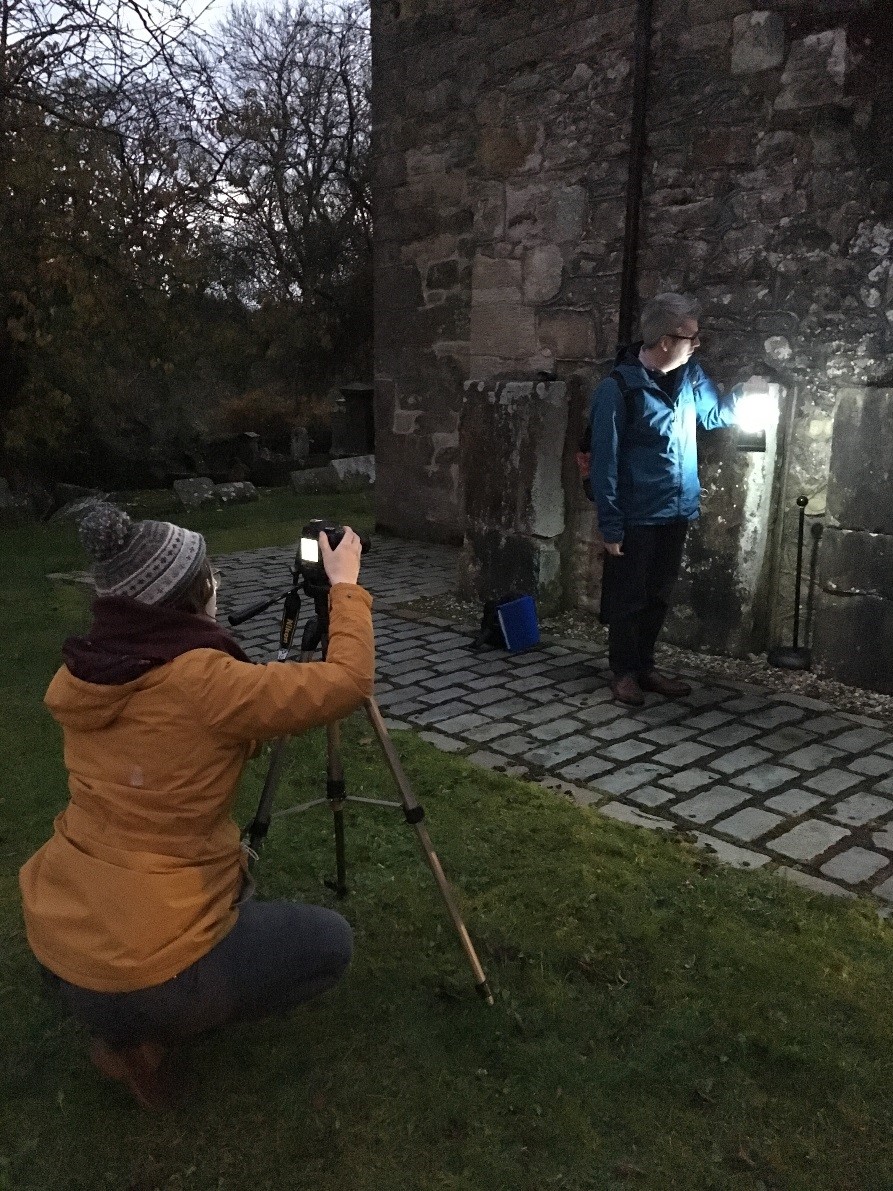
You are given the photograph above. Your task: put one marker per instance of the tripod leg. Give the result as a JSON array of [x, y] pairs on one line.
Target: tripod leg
[[335, 795], [415, 815], [259, 826]]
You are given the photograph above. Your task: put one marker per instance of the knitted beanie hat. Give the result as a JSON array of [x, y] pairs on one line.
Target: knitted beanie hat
[[150, 561]]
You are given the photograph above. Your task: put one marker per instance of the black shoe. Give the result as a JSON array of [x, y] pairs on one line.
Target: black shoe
[[627, 690], [670, 688]]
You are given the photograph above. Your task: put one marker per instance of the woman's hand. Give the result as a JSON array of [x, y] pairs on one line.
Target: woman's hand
[[342, 565]]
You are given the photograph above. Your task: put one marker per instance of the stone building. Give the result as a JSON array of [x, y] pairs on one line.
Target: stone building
[[541, 169]]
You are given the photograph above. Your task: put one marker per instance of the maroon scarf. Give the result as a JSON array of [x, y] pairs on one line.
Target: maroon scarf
[[127, 639]]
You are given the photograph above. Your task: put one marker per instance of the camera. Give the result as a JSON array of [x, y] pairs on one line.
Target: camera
[[309, 561]]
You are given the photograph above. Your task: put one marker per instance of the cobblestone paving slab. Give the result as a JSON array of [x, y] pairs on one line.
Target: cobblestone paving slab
[[776, 779]]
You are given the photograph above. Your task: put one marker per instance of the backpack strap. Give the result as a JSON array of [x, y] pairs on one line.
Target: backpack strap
[[629, 400], [584, 449], [626, 392]]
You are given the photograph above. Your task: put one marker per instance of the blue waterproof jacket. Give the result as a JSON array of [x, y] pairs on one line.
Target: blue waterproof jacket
[[644, 468]]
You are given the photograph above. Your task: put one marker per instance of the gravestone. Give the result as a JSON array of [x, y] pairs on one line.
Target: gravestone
[[300, 445], [511, 441], [853, 638]]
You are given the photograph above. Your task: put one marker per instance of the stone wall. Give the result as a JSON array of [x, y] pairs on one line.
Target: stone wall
[[503, 139]]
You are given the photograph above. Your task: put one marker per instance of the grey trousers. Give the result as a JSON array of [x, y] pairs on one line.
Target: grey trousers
[[278, 955]]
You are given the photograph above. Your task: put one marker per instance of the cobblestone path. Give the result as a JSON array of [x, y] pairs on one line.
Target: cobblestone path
[[761, 778]]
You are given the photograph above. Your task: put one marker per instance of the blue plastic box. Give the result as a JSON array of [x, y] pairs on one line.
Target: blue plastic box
[[519, 624]]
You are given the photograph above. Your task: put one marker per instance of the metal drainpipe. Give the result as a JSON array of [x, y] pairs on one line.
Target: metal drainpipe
[[637, 146]]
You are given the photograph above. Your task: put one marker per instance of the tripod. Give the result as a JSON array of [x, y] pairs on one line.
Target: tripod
[[316, 636]]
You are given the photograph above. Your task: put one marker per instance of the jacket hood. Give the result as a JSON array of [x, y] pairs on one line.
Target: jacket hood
[[634, 372], [124, 651], [128, 639], [88, 706], [628, 353]]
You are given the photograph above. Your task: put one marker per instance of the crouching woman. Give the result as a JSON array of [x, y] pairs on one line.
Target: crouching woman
[[138, 907]]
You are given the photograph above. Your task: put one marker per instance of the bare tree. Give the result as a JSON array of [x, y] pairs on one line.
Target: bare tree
[[147, 170], [287, 129]]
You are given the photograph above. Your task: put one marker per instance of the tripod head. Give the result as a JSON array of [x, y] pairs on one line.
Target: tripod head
[[308, 573]]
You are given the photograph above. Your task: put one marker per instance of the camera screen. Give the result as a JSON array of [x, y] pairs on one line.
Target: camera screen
[[309, 550]]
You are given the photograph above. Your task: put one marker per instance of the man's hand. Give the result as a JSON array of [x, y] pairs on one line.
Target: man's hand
[[614, 548], [342, 565]]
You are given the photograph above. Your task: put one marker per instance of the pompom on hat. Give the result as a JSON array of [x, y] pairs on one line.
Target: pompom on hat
[[150, 561]]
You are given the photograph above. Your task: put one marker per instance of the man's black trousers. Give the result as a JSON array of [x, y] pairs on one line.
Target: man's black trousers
[[637, 587]]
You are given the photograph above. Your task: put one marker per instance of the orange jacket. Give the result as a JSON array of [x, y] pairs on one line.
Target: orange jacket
[[140, 877]]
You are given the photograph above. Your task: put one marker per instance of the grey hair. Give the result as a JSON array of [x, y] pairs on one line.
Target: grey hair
[[664, 314]]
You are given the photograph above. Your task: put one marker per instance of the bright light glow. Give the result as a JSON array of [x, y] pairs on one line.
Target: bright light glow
[[309, 550], [756, 408]]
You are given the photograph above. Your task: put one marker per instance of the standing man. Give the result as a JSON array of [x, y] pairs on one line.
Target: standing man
[[644, 476]]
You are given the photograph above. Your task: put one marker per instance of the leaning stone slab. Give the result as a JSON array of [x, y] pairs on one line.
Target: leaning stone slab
[[355, 469], [74, 510], [239, 492], [195, 492], [68, 493], [351, 474]]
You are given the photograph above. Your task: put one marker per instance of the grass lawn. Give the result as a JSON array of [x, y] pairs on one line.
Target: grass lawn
[[660, 1023]]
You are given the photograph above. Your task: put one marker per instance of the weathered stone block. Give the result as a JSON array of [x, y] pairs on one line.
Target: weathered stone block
[[195, 492], [355, 470], [74, 510], [567, 334], [240, 492], [511, 441], [758, 42], [853, 638], [543, 267], [855, 563], [496, 282], [352, 474], [815, 72], [860, 486], [502, 150], [503, 332]]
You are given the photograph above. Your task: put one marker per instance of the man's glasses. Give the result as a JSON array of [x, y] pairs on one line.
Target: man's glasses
[[690, 338]]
